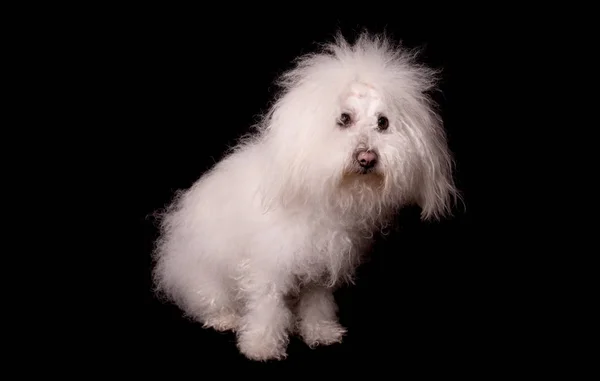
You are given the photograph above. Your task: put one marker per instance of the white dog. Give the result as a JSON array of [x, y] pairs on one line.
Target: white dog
[[258, 244]]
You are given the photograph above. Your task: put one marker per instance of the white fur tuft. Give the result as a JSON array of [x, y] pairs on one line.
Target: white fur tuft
[[288, 211]]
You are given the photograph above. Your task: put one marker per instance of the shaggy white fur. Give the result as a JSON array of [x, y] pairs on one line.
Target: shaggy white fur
[[258, 244]]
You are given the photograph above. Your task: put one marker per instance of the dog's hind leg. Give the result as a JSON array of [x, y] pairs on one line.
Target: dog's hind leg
[[206, 296], [212, 304], [216, 309]]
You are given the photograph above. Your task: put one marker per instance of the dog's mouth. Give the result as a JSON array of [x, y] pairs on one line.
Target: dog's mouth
[[362, 174], [358, 170], [362, 177], [366, 171], [354, 170]]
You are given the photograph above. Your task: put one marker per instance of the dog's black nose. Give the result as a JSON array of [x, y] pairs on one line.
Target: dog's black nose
[[366, 159]]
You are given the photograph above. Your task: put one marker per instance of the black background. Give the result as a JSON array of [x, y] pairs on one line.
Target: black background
[[432, 297], [154, 93]]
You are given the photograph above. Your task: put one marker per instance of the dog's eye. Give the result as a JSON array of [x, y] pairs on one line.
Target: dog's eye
[[345, 119], [383, 123]]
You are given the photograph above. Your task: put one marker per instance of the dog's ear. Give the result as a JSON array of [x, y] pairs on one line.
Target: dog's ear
[[297, 131], [436, 192], [287, 134]]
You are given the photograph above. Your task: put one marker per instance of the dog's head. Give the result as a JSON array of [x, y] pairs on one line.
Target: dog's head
[[355, 124]]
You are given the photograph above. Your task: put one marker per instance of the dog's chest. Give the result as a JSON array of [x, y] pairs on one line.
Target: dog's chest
[[329, 254]]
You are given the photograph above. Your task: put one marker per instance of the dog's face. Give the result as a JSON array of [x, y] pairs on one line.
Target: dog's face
[[351, 131], [389, 144], [379, 151], [364, 123]]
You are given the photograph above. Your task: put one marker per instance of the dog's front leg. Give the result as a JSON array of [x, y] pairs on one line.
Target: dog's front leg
[[318, 324], [266, 322]]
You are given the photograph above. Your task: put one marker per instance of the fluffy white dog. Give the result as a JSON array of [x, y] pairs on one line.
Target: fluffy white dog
[[258, 244]]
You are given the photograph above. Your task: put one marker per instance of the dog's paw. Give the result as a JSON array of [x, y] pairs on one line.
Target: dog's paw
[[262, 345], [324, 332], [224, 322]]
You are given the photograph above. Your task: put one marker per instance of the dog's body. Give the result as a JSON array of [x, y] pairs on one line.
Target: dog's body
[[292, 209]]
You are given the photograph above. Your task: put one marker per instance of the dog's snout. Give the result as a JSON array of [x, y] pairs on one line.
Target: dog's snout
[[366, 159]]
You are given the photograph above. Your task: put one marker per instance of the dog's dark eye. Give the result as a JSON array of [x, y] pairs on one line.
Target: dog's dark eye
[[383, 123], [345, 119]]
